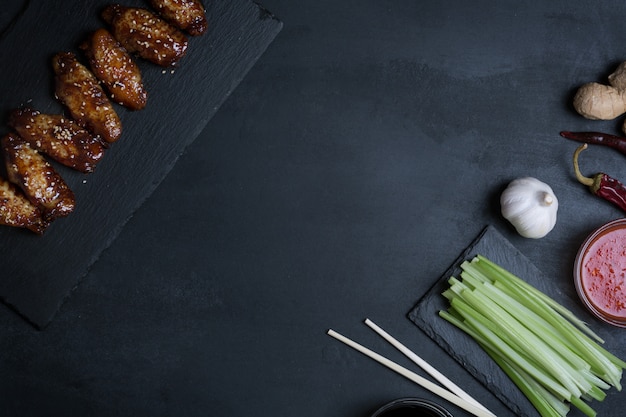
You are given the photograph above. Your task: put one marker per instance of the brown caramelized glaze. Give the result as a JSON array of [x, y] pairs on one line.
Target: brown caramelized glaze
[[116, 69], [142, 32], [80, 91], [58, 137], [35, 194], [37, 178], [186, 15], [17, 211]]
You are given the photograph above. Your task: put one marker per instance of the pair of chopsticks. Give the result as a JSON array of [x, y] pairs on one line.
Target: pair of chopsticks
[[453, 393]]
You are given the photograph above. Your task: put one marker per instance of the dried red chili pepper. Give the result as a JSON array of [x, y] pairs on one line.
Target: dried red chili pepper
[[601, 184], [598, 138]]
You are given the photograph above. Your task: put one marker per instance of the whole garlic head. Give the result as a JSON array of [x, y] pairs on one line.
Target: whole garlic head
[[530, 205]]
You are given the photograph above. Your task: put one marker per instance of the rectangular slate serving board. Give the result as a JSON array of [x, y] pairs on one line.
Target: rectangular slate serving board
[[491, 244], [37, 273]]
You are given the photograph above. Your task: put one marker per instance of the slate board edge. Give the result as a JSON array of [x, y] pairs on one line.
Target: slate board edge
[[156, 183], [420, 321], [43, 323]]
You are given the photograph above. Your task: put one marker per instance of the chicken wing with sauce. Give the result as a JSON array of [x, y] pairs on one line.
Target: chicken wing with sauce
[[17, 211], [37, 178], [80, 91], [58, 137], [116, 69], [142, 32], [186, 15]]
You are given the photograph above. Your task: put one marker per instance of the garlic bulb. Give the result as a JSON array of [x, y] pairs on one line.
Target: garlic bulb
[[530, 205]]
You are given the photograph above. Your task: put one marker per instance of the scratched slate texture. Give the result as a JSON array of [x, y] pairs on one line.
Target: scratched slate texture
[[39, 272]]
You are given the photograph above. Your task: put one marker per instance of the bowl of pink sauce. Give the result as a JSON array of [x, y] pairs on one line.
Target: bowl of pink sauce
[[600, 273]]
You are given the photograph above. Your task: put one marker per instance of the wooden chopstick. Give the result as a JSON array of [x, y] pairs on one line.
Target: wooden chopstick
[[425, 365], [419, 380]]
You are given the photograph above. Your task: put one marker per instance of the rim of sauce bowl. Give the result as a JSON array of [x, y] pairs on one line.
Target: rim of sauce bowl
[[418, 407], [599, 245]]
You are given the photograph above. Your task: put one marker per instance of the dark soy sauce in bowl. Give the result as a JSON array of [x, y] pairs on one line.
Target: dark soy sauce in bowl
[[409, 412], [411, 407]]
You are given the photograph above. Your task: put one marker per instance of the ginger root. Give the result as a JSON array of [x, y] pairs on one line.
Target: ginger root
[[599, 102], [603, 102], [618, 78]]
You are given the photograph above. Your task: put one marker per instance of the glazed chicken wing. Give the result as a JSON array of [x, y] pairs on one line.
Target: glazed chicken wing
[[116, 69], [186, 15], [79, 90], [58, 137], [144, 33], [37, 178], [17, 211]]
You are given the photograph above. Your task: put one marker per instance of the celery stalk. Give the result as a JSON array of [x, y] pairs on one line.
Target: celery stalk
[[534, 323], [530, 345], [496, 343], [542, 399], [599, 359], [548, 300], [552, 356]]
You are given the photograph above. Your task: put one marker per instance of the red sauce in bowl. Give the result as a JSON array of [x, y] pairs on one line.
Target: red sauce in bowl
[[600, 273]]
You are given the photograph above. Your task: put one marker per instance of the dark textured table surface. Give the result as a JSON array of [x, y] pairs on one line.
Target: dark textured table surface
[[361, 154]]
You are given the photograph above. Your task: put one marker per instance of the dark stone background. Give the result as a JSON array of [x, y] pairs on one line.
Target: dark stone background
[[363, 152]]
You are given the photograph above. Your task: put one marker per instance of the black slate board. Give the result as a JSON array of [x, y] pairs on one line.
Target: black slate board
[[38, 273], [491, 244]]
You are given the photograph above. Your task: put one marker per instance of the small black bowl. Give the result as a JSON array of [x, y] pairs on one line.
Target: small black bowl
[[411, 407]]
